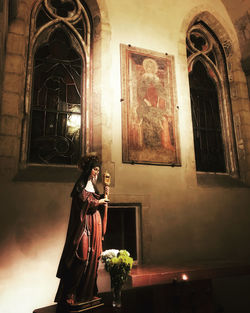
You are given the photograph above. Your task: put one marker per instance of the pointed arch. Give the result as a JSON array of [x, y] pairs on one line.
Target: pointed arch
[[57, 99], [213, 133], [231, 93]]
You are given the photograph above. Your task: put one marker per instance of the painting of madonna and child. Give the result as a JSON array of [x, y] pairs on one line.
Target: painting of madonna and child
[[149, 107]]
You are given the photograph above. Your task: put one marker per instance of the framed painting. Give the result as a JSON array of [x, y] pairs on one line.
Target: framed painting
[[149, 107]]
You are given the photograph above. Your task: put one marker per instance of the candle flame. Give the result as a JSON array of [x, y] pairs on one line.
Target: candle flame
[[184, 277]]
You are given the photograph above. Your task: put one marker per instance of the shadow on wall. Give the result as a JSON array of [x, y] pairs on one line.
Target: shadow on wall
[[31, 211], [33, 223]]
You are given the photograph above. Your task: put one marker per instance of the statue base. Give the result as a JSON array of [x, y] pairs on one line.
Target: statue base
[[84, 306]]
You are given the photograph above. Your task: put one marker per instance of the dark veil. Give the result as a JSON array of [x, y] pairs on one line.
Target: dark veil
[[86, 164]]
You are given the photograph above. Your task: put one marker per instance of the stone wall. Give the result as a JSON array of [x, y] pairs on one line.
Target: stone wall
[[13, 93], [3, 35]]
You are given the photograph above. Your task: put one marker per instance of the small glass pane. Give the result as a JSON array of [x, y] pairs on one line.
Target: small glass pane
[[63, 8], [80, 27], [51, 124], [72, 94], [42, 17], [212, 57], [199, 41]]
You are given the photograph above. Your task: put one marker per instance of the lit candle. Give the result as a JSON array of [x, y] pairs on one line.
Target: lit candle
[[184, 277]]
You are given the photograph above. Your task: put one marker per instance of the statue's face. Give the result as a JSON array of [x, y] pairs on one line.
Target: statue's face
[[94, 173]]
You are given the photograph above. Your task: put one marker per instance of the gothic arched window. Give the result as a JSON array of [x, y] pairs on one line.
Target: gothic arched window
[[210, 102], [59, 59]]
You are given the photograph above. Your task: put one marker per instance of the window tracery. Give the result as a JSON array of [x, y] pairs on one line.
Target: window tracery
[[59, 70], [210, 102]]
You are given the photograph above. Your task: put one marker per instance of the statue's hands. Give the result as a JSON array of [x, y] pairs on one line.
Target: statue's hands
[[102, 201]]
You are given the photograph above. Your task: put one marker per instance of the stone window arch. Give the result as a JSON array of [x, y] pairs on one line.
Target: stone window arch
[[56, 129], [210, 101]]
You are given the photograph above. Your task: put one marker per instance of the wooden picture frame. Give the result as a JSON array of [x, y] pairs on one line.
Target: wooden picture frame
[[149, 107]]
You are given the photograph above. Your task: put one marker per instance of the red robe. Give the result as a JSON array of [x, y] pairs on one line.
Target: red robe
[[83, 247]]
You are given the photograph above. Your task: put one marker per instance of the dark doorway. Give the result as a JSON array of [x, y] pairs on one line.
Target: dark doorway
[[122, 229]]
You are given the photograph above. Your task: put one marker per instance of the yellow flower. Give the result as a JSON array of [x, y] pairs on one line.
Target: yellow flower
[[114, 260], [124, 253]]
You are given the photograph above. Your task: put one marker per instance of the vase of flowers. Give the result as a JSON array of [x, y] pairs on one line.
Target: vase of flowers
[[118, 263]]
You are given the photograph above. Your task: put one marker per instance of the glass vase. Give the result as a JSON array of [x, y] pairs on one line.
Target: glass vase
[[117, 295]]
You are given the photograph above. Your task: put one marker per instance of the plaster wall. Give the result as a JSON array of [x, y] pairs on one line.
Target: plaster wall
[[182, 222]]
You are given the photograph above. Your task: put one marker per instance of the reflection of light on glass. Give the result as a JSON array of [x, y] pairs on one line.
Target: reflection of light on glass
[[184, 277], [74, 120]]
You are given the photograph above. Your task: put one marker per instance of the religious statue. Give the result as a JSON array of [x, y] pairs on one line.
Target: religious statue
[[86, 229]]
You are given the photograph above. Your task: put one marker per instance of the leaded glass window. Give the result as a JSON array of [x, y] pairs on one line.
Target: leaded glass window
[[210, 102], [59, 78], [206, 121]]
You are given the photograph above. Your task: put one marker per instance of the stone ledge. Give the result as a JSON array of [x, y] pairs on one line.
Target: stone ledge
[[150, 275], [60, 174], [142, 276], [218, 180]]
